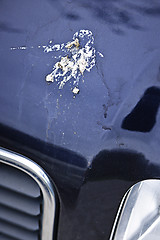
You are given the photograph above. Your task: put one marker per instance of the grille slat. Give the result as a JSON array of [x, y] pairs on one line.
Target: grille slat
[[20, 201], [19, 218], [17, 232], [20, 208], [6, 237], [26, 185]]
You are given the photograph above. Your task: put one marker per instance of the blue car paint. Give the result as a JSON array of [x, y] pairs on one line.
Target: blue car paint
[[79, 141]]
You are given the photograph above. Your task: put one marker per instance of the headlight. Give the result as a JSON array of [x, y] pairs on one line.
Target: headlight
[[139, 214]]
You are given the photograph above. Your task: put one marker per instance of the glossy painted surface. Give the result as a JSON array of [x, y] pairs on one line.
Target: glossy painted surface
[[82, 142]]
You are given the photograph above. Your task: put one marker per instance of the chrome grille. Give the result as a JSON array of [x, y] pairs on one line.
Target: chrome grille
[[20, 205], [27, 199]]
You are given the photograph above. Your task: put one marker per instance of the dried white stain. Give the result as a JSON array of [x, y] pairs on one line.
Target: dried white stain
[[26, 47], [79, 56], [19, 48], [75, 90], [73, 43], [100, 54]]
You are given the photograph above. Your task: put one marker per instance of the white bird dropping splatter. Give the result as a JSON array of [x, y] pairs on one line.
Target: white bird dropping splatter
[[79, 56], [75, 90]]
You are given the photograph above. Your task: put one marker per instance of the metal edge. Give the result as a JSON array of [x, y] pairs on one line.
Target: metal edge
[[118, 215], [38, 174]]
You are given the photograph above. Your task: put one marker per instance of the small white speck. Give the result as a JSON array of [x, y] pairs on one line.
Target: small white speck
[[49, 78], [100, 54], [23, 48], [13, 48], [75, 90]]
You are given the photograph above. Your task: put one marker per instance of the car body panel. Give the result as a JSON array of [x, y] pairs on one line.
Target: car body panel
[[80, 140]]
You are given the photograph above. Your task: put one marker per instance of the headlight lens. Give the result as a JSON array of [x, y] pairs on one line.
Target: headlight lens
[[139, 218]]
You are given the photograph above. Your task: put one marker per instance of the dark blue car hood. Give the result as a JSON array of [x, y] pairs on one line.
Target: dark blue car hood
[[109, 133]]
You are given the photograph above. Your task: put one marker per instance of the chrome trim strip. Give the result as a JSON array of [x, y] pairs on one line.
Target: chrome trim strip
[[37, 173], [118, 215]]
